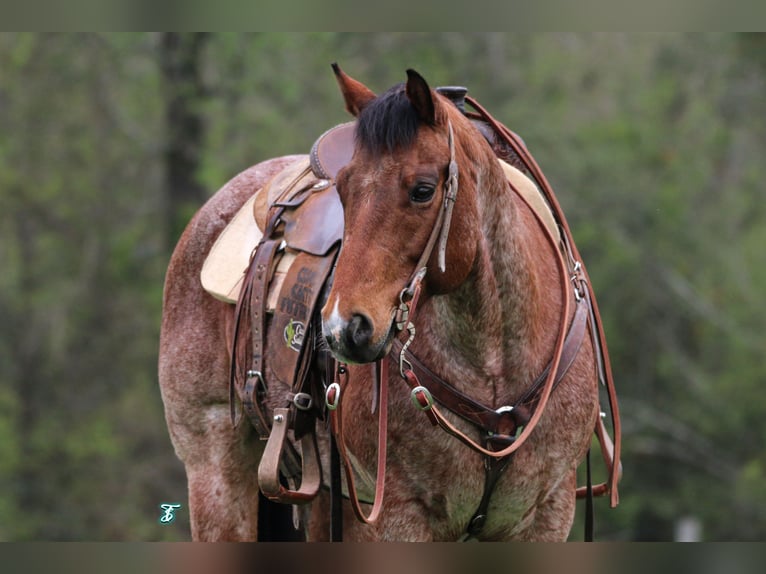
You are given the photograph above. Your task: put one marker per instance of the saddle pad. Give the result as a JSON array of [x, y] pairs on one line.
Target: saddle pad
[[223, 271], [532, 194]]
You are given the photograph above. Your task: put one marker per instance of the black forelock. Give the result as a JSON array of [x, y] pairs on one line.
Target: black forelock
[[388, 122]]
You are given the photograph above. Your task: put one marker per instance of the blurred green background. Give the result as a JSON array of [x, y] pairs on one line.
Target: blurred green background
[[655, 144]]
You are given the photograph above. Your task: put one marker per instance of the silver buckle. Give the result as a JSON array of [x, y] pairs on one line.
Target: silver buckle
[[256, 375], [577, 281], [332, 405]]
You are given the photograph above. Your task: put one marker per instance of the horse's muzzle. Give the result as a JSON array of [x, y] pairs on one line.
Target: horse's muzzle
[[352, 341]]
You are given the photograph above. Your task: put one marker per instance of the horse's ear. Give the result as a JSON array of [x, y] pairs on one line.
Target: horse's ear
[[356, 94], [420, 97]]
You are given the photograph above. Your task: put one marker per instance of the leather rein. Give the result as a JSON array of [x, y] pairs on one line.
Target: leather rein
[[526, 413]]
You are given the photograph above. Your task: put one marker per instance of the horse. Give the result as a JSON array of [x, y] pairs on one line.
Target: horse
[[450, 283]]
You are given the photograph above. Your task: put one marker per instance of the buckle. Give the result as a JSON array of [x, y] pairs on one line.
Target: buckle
[[332, 396], [259, 385], [257, 374], [303, 401], [421, 398], [577, 280]]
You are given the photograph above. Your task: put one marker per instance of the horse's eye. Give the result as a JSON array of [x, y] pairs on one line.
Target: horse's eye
[[422, 193]]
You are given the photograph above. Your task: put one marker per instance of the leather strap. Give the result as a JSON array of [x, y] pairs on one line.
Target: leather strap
[[262, 262], [336, 493], [376, 374], [599, 337], [450, 197], [589, 514], [501, 421], [290, 334], [607, 452], [437, 417], [336, 423], [493, 470], [441, 227]]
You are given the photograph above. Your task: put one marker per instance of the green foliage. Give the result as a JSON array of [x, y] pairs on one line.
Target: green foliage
[[654, 143]]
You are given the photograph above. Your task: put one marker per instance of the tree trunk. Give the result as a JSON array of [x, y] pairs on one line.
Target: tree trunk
[[180, 57]]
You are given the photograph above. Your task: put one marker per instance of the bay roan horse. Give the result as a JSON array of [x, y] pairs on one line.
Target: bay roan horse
[[430, 220]]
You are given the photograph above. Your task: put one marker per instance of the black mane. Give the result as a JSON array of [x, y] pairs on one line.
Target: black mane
[[388, 122]]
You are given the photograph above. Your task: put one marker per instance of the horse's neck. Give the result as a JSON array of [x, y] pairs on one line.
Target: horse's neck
[[499, 323]]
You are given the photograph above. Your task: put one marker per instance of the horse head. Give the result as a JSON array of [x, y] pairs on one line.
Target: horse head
[[395, 193]]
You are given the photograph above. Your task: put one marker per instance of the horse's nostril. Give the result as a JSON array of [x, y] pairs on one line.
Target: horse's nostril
[[359, 331]]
